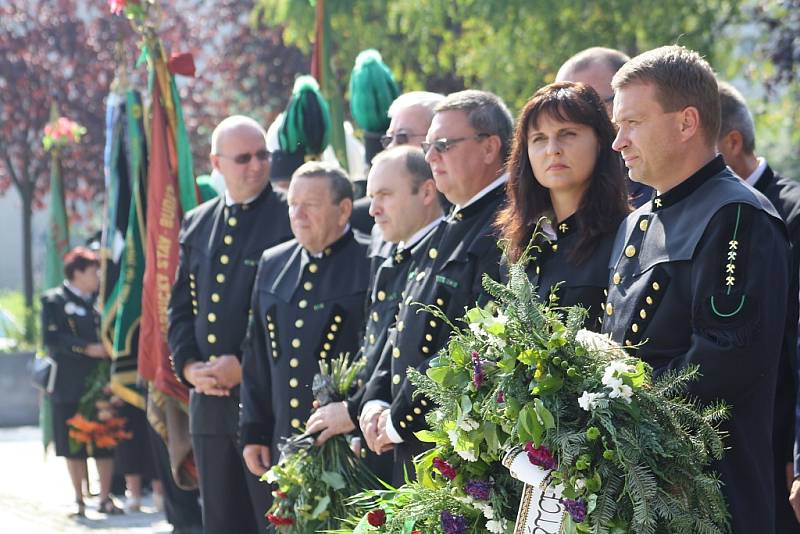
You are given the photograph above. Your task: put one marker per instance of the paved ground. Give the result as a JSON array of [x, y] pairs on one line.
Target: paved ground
[[36, 494]]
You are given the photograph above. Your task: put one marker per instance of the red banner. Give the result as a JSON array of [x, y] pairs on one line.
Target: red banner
[[161, 256]]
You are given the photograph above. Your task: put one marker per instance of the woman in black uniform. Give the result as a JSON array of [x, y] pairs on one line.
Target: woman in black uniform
[[70, 328], [567, 193]]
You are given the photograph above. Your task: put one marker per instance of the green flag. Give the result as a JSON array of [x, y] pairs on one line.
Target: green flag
[[123, 250], [56, 135]]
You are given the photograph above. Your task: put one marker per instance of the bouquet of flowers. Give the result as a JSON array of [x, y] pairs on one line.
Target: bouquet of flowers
[[627, 453], [95, 424], [313, 482]]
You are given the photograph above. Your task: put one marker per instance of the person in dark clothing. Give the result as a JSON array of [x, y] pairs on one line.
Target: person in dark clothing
[[466, 147], [406, 208], [737, 144], [563, 171], [70, 330], [307, 306], [220, 243], [690, 284]]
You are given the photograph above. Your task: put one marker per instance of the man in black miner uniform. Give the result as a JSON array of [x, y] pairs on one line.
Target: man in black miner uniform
[[307, 306], [406, 207], [220, 244], [689, 280], [466, 146], [737, 145]]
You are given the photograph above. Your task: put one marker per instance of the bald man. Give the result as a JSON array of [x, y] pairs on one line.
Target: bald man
[[220, 244], [596, 67]]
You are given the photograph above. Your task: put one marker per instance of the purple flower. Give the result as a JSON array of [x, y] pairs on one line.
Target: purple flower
[[478, 489], [453, 524], [501, 397], [477, 370], [540, 456], [447, 470], [576, 508]]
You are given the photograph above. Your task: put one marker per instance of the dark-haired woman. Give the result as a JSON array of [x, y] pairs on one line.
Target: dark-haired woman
[[70, 324], [563, 171]]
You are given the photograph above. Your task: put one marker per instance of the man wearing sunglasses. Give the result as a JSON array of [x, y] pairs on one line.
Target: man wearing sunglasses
[[220, 244], [466, 147], [411, 115], [596, 67]]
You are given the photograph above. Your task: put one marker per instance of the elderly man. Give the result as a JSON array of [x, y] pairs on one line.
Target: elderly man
[[405, 204], [595, 67], [737, 143], [689, 284], [220, 243], [466, 147], [411, 115], [307, 306]]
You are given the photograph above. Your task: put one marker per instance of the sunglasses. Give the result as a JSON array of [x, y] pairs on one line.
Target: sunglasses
[[443, 145], [400, 138], [244, 159]]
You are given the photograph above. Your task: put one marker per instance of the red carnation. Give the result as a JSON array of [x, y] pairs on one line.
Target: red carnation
[[376, 518], [279, 521], [447, 470]]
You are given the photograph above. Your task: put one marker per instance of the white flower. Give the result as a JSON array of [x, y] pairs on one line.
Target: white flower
[[588, 401], [485, 508], [620, 390], [469, 456], [594, 342], [496, 525], [469, 424], [271, 477], [613, 370], [453, 435], [580, 483]]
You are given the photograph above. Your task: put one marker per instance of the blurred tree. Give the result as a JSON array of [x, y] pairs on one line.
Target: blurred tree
[[50, 54], [510, 47]]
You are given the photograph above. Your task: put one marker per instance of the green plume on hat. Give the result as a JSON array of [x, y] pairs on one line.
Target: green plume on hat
[[307, 121], [372, 91]]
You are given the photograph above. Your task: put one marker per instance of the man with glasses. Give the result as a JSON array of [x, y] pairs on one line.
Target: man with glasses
[[595, 67], [411, 115], [220, 244], [466, 147]]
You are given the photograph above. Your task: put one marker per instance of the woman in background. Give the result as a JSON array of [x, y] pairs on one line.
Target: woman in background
[[70, 325]]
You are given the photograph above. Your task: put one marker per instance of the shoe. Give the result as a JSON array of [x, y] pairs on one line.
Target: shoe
[[133, 505], [80, 509], [109, 508]]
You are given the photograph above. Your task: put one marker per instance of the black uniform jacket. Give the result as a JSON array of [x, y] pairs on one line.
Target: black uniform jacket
[[219, 251], [69, 324], [452, 263], [700, 277], [555, 272], [386, 293], [304, 309], [785, 196]]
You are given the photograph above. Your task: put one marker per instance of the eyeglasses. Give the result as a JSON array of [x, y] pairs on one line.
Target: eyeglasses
[[401, 138], [244, 159], [443, 145]]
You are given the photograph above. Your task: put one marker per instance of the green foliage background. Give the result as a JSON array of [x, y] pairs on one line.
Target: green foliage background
[[513, 47]]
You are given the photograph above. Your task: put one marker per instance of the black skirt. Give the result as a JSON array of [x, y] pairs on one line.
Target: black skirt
[[61, 412]]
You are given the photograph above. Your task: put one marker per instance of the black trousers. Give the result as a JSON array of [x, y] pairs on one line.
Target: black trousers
[[234, 500], [182, 507]]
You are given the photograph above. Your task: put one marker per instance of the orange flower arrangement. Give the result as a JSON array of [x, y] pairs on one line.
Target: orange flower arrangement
[[100, 434]]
